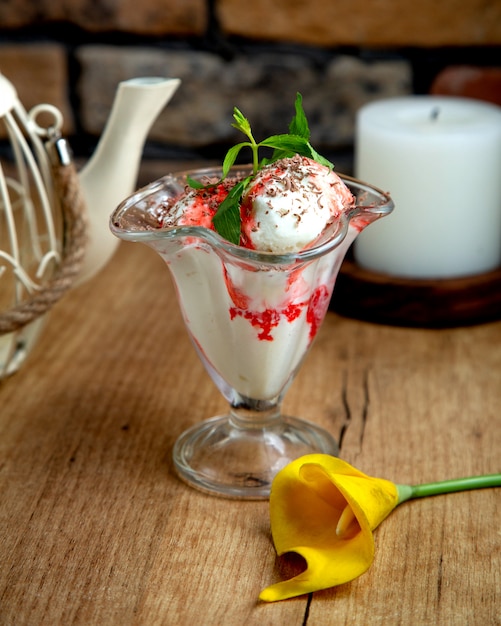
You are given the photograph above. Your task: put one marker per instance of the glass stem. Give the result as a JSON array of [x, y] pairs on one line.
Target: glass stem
[[254, 414]]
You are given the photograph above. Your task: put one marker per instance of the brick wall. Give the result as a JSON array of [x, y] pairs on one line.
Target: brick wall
[[339, 54]]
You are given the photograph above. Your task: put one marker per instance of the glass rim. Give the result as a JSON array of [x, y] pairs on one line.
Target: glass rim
[[336, 234]]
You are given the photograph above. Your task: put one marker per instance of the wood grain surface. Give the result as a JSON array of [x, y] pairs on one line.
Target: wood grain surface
[[95, 528]]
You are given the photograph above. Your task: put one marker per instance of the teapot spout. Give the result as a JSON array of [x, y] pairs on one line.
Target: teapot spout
[[111, 173]]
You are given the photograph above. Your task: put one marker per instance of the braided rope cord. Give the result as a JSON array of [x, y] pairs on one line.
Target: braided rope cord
[[73, 209]]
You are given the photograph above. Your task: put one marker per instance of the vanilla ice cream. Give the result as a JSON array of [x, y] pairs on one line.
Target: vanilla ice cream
[[289, 204]]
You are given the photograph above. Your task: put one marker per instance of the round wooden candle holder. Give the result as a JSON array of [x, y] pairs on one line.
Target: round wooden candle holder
[[431, 303]]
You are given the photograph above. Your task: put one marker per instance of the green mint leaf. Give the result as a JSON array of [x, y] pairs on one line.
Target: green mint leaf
[[194, 184], [289, 145], [298, 126], [231, 157], [292, 144], [241, 123], [320, 159], [284, 146], [227, 218], [299, 123]]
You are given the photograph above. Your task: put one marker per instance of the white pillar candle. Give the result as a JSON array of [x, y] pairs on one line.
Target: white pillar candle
[[440, 159]]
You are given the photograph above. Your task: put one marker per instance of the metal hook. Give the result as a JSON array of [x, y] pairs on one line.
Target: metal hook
[[53, 131]]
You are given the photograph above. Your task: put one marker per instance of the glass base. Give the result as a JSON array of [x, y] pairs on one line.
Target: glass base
[[223, 458], [16, 346]]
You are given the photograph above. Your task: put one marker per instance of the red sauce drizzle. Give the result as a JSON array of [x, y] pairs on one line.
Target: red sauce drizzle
[[317, 309], [265, 321]]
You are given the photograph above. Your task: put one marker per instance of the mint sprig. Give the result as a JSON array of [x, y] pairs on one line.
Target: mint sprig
[[227, 218]]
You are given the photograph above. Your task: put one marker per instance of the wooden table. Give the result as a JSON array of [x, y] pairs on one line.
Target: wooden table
[[95, 528]]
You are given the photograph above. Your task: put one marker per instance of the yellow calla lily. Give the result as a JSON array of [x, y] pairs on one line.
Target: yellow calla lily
[[325, 510]]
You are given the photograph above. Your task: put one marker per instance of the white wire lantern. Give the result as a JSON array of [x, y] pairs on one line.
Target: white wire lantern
[[41, 223]]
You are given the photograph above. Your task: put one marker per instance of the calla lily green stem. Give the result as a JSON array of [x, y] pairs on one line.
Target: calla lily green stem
[[407, 492]]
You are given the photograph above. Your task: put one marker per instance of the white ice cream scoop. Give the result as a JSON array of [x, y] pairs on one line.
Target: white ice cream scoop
[[289, 204]]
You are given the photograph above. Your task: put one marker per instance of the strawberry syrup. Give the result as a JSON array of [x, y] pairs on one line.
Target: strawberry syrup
[[265, 321]]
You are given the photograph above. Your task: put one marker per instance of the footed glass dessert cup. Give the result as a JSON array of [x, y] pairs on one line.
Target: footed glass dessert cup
[[252, 317]]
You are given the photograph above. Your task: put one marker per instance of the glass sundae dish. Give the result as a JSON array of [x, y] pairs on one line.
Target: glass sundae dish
[[252, 306]]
